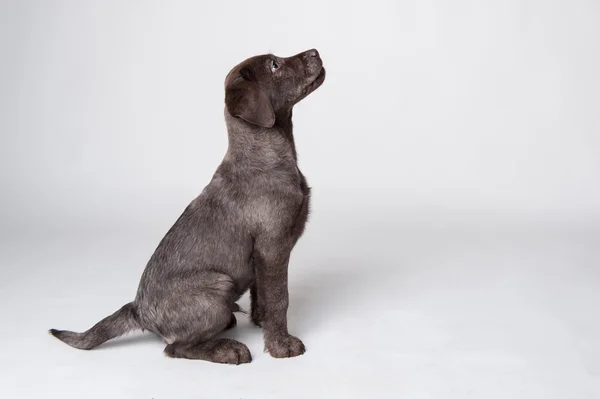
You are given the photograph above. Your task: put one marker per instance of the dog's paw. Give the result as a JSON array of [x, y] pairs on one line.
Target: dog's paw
[[229, 351], [285, 346]]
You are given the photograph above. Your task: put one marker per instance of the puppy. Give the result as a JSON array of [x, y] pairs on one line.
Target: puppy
[[236, 235]]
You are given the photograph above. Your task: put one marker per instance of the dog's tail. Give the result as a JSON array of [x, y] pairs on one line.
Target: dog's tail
[[121, 322]]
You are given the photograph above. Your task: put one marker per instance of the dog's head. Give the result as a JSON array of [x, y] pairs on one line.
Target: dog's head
[[264, 86]]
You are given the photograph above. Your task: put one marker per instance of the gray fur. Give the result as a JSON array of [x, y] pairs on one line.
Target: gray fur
[[237, 234]]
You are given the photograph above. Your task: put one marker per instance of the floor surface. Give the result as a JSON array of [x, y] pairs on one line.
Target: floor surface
[[386, 309]]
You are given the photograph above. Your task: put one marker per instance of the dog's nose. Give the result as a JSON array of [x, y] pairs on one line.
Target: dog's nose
[[312, 53]]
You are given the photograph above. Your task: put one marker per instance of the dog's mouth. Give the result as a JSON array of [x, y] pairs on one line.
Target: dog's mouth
[[316, 82]]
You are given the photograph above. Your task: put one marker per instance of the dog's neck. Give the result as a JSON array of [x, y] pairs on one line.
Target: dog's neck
[[256, 146]]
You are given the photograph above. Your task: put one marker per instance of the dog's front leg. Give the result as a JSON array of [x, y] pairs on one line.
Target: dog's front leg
[[272, 299], [255, 307]]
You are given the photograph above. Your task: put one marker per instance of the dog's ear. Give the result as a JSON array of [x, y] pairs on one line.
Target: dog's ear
[[245, 99]]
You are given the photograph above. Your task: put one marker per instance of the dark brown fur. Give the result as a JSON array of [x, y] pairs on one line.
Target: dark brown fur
[[237, 235]]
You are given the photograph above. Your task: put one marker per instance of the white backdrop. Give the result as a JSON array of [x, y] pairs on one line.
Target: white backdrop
[[435, 117], [119, 105]]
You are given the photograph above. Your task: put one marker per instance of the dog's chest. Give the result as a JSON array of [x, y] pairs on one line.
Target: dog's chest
[[278, 199]]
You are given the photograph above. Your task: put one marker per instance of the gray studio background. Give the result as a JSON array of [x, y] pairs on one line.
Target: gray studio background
[[454, 247]]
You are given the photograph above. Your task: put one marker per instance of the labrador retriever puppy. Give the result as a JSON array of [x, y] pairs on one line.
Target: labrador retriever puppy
[[237, 235]]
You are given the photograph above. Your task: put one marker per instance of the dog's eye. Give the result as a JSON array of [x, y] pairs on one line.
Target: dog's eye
[[274, 65]]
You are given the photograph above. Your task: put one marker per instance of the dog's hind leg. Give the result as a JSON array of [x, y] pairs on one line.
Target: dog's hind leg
[[221, 350], [192, 311]]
